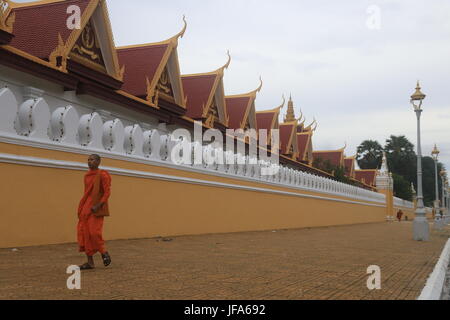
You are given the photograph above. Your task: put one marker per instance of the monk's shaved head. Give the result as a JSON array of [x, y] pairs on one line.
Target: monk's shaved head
[[94, 161], [96, 156]]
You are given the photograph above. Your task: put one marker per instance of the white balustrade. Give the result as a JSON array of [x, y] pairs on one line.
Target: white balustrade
[[34, 119], [64, 124], [90, 131], [8, 111], [134, 140], [65, 127], [113, 136]]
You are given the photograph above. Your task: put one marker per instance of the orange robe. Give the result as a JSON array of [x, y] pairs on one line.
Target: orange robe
[[90, 227]]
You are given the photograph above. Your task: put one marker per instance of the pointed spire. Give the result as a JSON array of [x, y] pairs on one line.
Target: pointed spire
[[290, 115], [384, 166]]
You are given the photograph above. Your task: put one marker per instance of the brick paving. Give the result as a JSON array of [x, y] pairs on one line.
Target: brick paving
[[319, 263]]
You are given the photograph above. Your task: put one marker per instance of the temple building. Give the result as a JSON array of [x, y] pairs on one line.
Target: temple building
[[241, 110], [268, 120], [67, 91], [366, 176], [205, 96]]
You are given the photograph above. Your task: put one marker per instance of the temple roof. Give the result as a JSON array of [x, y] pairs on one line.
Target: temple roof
[[268, 119], [287, 135], [201, 89], [145, 64], [41, 38], [349, 164], [238, 110], [303, 142], [240, 107], [141, 64], [366, 176], [50, 39], [336, 157]]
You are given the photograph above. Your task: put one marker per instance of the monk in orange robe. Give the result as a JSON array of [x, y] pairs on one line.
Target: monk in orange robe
[[91, 212]]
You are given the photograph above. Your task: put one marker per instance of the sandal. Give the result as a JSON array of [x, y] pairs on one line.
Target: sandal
[[86, 266], [106, 259]]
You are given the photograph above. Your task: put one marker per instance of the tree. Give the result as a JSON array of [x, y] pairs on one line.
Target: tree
[[402, 187], [337, 171], [369, 154], [402, 162], [401, 157]]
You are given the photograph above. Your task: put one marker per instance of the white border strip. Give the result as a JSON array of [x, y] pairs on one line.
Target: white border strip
[[58, 164], [435, 283]]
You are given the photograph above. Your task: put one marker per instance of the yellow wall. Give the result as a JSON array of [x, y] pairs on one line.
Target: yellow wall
[[41, 206]]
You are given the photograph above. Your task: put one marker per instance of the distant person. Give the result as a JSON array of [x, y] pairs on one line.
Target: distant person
[[399, 215], [92, 209]]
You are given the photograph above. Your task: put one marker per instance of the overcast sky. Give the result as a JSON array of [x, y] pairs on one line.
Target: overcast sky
[[352, 65]]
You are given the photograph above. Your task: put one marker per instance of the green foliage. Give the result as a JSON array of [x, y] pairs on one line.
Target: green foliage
[[402, 188], [338, 172], [369, 154], [402, 162]]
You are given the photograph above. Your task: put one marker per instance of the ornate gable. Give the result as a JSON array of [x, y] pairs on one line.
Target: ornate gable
[[164, 85], [87, 49], [213, 114], [92, 46]]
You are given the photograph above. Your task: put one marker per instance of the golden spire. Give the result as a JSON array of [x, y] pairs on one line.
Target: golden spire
[[290, 115]]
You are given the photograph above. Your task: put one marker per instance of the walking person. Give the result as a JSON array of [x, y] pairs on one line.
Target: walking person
[[399, 215], [92, 209]]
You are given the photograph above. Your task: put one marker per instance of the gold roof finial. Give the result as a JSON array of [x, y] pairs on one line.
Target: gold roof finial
[[260, 85], [221, 69], [301, 116], [179, 34], [6, 19], [309, 128], [282, 105], [315, 127]]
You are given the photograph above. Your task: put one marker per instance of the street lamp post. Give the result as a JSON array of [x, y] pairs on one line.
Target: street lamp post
[[443, 192], [435, 154], [421, 230]]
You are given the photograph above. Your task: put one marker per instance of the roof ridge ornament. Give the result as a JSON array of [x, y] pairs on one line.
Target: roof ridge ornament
[[260, 85], [7, 18], [180, 34], [221, 69], [301, 115]]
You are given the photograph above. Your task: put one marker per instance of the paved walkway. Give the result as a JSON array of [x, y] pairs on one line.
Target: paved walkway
[[322, 263]]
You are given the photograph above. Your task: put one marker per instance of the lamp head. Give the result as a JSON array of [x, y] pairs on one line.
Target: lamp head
[[435, 152], [418, 95]]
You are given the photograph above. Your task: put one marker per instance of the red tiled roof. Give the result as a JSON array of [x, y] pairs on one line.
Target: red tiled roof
[[302, 143], [367, 175], [140, 63], [286, 132], [265, 120], [236, 108], [36, 27], [349, 165], [333, 156], [197, 89]]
